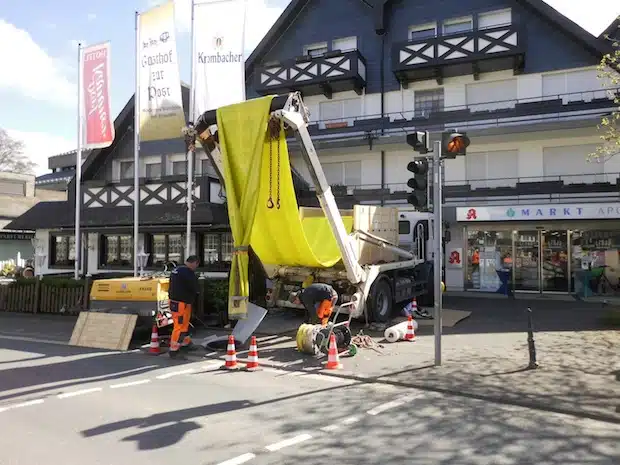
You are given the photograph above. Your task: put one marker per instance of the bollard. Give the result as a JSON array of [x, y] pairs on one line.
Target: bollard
[[531, 347]]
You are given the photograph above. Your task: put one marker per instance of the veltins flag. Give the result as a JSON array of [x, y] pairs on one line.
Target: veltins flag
[[161, 104], [99, 127], [219, 64]]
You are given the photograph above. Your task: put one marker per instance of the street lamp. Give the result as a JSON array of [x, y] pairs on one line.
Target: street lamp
[[142, 261]]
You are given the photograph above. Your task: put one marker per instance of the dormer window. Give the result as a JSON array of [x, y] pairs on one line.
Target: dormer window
[[457, 25], [316, 50], [423, 31], [496, 18]]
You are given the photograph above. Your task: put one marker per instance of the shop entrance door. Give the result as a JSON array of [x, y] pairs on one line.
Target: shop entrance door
[[527, 260], [555, 269]]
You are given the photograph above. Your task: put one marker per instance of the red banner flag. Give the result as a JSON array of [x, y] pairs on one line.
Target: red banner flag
[[99, 130]]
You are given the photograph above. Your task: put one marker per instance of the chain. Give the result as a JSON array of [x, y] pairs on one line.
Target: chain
[[270, 199], [278, 181]]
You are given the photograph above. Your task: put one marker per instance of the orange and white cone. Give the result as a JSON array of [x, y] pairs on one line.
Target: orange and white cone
[[231, 354], [333, 362], [414, 305], [410, 334], [252, 364], [154, 346]]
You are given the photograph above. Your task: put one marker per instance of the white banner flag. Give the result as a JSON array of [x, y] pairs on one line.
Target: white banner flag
[[219, 64], [161, 104]]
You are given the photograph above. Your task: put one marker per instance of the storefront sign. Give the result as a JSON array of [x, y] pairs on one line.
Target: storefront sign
[[582, 211], [454, 257], [7, 236]]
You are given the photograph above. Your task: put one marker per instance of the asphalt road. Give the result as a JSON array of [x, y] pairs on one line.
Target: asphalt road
[[66, 406]]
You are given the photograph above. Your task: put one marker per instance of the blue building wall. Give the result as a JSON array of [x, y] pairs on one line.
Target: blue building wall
[[548, 48]]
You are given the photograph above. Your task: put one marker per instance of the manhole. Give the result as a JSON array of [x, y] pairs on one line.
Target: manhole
[[218, 345]]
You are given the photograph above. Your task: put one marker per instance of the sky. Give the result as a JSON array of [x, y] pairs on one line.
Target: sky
[[38, 53]]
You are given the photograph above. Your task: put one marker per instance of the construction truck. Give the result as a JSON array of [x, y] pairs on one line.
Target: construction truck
[[375, 274]]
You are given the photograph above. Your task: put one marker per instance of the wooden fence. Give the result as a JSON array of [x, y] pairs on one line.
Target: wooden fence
[[44, 296]]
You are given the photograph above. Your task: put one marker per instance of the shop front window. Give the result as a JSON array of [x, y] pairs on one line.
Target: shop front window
[[489, 258], [63, 251], [597, 253]]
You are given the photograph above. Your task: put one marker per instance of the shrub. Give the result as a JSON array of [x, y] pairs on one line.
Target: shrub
[[215, 295]]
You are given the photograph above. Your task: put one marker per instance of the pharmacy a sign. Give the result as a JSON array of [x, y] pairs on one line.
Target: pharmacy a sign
[[583, 211]]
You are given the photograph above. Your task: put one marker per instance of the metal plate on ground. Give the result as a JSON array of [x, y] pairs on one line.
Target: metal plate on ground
[[103, 330]]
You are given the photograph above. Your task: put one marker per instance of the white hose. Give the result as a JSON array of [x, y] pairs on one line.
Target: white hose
[[397, 332]]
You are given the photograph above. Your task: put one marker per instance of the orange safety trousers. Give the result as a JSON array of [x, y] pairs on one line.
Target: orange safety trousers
[[181, 315], [324, 311]]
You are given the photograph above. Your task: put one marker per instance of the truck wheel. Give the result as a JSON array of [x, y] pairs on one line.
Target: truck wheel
[[380, 301]]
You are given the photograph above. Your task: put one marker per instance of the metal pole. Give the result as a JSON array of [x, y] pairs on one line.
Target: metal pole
[[136, 153], [78, 170], [530, 341], [191, 150], [437, 255]]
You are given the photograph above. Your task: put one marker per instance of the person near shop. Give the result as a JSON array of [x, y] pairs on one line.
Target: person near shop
[[182, 292], [318, 300]]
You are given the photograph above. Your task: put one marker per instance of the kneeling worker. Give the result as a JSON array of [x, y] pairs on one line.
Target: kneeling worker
[[182, 292], [318, 299]]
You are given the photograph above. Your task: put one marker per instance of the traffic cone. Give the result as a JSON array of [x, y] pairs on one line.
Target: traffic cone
[[231, 354], [333, 363], [414, 305], [410, 334], [154, 346], [252, 364]]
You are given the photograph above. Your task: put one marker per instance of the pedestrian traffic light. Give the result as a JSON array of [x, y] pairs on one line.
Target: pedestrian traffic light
[[454, 143], [420, 141], [419, 197]]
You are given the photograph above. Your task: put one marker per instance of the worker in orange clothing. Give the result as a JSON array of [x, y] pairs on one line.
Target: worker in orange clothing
[[182, 292], [318, 299]]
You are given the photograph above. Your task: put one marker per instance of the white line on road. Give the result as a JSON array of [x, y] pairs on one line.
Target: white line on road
[[329, 379], [23, 404], [330, 428], [239, 459], [383, 407], [78, 393], [288, 442], [175, 373], [33, 339], [131, 383], [350, 420]]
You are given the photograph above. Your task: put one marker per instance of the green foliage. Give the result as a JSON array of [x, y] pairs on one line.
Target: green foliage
[[215, 295], [58, 282], [609, 73], [8, 270]]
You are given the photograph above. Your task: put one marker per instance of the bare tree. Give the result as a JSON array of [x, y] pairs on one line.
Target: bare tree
[[12, 157], [609, 73]]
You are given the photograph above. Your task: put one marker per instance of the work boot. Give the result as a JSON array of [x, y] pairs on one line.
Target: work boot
[[176, 355], [191, 347]]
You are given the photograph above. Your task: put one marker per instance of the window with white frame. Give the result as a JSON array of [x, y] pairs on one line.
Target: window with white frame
[[573, 85], [428, 101], [126, 170], [340, 110], [152, 170], [458, 25], [495, 19], [492, 169], [345, 44], [316, 50], [491, 95], [205, 167], [179, 168], [571, 164], [423, 31], [348, 173]]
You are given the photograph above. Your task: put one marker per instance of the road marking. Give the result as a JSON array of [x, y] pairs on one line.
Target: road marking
[[33, 339], [350, 420], [288, 442], [78, 393], [239, 459], [175, 373], [23, 404], [330, 428], [383, 407], [330, 379], [131, 383]]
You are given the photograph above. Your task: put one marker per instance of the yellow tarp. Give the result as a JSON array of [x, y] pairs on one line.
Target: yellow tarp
[[253, 174]]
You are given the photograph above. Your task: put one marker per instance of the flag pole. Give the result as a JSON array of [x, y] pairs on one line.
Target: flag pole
[[78, 169], [136, 153], [191, 149]]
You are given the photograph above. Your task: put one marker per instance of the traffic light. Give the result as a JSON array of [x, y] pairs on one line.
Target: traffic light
[[419, 197], [420, 141], [454, 143]]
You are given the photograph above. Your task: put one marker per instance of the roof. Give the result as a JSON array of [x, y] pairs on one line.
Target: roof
[[60, 215], [613, 30], [591, 43], [58, 176]]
